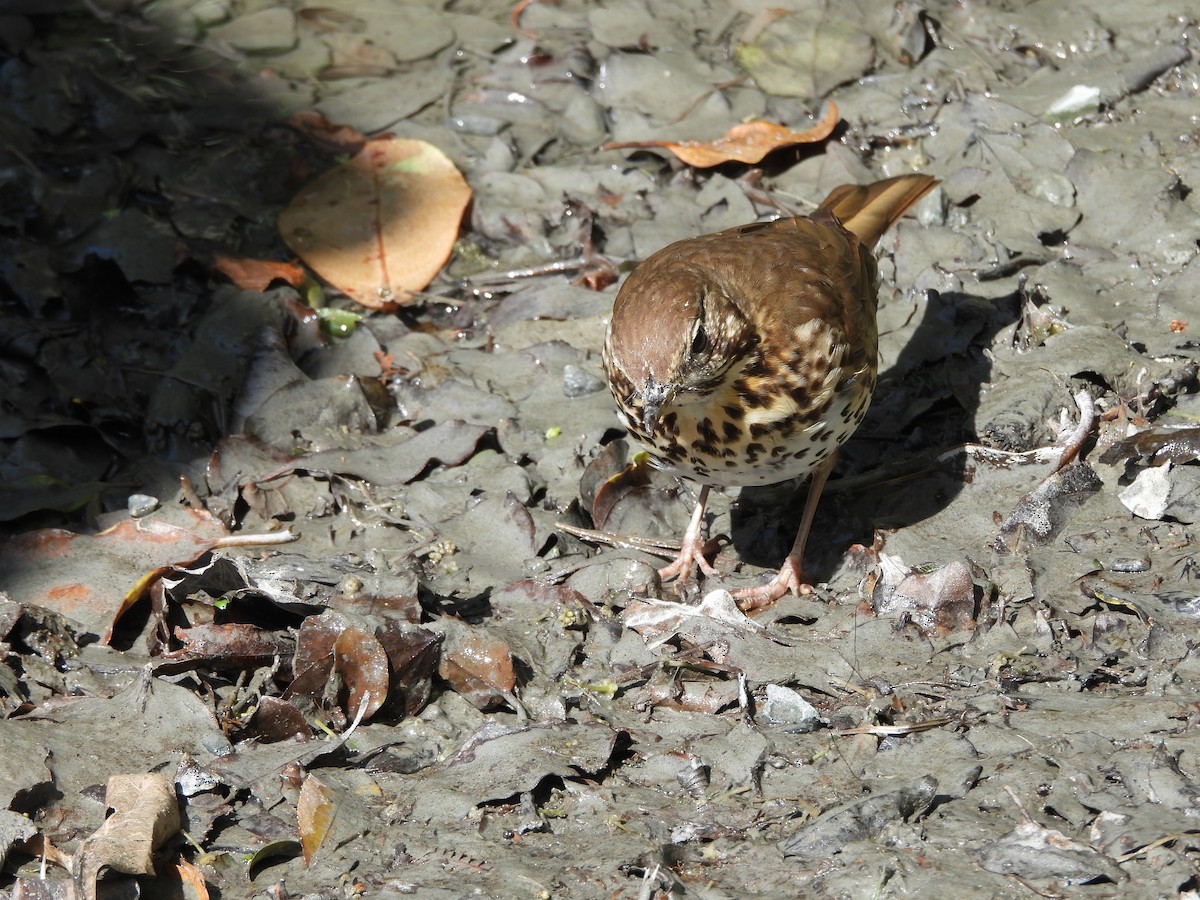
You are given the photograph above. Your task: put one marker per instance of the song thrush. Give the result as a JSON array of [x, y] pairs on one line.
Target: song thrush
[[747, 357]]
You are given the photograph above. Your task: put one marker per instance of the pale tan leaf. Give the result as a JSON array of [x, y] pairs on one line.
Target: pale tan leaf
[[381, 225], [145, 814], [314, 812]]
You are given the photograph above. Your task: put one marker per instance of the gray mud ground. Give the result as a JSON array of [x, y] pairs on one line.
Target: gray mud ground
[[992, 694]]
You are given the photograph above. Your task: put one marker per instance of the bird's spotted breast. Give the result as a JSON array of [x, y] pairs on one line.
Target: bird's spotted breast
[[772, 418]]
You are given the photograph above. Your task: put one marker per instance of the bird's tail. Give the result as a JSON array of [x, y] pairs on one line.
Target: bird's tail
[[868, 210]]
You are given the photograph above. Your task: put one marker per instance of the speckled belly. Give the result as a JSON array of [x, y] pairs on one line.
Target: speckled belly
[[757, 453]]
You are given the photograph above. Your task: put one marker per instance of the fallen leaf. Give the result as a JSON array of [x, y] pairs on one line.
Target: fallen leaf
[[146, 813], [257, 274], [515, 18], [396, 456], [356, 53], [237, 645], [1157, 445], [314, 814], [478, 666], [412, 653], [272, 851], [634, 478], [362, 663], [17, 831], [276, 720], [342, 657], [748, 142], [193, 877], [1044, 854], [382, 224], [669, 691], [318, 129], [939, 602], [807, 53], [860, 819]]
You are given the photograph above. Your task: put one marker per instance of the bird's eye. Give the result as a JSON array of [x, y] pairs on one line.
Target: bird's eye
[[699, 339]]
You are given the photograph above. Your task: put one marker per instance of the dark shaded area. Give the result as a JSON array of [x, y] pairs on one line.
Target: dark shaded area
[[128, 161]]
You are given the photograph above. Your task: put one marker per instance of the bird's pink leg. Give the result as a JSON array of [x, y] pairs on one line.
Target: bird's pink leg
[[791, 575], [691, 549]]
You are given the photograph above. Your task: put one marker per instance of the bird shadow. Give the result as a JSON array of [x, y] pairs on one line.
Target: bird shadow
[[893, 472]]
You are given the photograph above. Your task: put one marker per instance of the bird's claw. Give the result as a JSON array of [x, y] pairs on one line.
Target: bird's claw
[[691, 557], [790, 579]]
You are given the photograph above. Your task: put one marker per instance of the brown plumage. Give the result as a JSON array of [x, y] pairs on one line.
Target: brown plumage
[[749, 356]]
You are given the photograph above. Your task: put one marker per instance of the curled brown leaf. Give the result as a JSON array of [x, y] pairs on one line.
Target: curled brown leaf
[[747, 142]]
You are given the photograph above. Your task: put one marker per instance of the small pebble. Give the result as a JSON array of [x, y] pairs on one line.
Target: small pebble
[[141, 505], [1124, 564], [783, 706], [579, 382]]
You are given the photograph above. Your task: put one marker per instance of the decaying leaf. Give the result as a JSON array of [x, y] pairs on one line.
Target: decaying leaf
[[1037, 852], [314, 814], [1155, 445], [363, 664], [807, 53], [276, 720], [396, 456], [15, 830], [937, 602], [747, 142], [382, 224], [257, 274], [634, 478], [193, 877], [145, 815], [342, 658], [859, 820], [337, 138], [237, 645], [272, 851], [478, 665]]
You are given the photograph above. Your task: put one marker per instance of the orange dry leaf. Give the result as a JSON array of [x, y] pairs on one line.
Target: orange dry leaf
[[314, 815], [1178, 326], [747, 143], [515, 17], [193, 877], [318, 129], [257, 274], [381, 225]]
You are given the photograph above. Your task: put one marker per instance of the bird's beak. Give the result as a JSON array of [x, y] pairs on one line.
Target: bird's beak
[[654, 398]]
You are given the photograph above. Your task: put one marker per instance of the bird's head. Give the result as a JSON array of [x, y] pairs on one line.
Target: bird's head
[[674, 335]]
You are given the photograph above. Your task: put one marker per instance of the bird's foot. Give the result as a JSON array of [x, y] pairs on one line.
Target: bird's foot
[[791, 579], [691, 557]]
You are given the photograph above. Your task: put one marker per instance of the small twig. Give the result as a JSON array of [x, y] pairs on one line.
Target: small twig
[[256, 540], [894, 730], [664, 548], [1087, 421], [558, 267], [1162, 841]]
